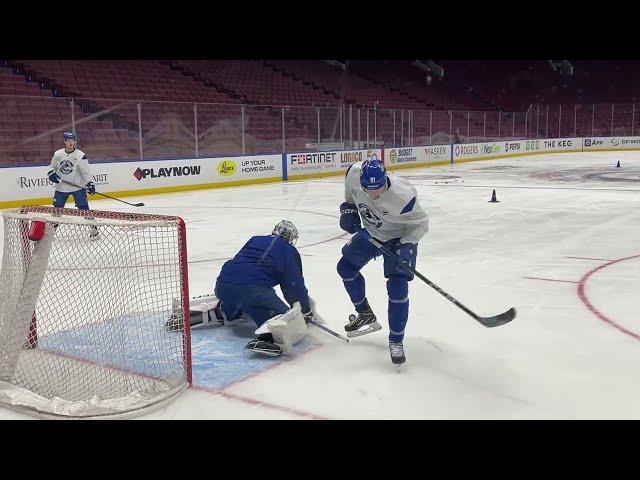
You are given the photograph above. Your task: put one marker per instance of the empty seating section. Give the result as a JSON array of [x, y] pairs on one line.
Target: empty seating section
[[254, 84], [114, 89], [344, 84], [171, 102], [412, 82], [512, 85], [367, 82], [350, 88]]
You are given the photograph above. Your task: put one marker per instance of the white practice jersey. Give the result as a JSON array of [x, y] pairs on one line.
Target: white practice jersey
[[72, 167], [396, 214]]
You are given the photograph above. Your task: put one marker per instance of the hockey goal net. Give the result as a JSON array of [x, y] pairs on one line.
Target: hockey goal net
[[84, 299]]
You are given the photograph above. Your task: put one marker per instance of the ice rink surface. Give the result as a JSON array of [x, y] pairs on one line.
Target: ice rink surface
[[562, 246]]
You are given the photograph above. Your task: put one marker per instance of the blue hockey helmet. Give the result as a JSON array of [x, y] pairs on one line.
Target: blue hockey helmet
[[373, 174], [286, 230], [69, 136]]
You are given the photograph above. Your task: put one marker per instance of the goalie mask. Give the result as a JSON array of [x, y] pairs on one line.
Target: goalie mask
[[286, 230]]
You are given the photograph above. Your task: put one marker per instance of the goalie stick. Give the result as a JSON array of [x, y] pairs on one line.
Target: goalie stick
[[329, 331], [495, 321], [320, 321]]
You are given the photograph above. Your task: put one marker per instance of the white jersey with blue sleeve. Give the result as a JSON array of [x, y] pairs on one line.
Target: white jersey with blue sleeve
[[72, 167], [396, 214]]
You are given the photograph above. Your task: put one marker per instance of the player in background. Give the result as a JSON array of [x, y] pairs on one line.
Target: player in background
[[388, 207], [245, 286], [71, 164]]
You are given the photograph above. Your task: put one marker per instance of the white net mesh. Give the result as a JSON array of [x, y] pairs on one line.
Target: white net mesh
[[82, 318]]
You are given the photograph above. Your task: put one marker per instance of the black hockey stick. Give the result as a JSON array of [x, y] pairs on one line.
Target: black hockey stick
[[494, 321], [105, 195]]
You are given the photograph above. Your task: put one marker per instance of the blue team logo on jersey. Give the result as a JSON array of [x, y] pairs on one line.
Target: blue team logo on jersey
[[66, 167], [369, 217]]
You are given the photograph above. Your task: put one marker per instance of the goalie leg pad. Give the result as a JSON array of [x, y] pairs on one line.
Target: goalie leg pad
[[203, 310], [287, 329]]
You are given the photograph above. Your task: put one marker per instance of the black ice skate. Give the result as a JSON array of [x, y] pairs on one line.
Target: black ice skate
[[264, 345], [94, 232], [363, 324], [397, 353]]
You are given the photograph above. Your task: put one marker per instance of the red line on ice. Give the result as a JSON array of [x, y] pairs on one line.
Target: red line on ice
[[583, 296]]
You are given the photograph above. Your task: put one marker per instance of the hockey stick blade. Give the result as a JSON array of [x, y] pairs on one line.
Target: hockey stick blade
[[498, 320]]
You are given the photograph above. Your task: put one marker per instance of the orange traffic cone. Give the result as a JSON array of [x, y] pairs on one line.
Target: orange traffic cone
[[493, 198]]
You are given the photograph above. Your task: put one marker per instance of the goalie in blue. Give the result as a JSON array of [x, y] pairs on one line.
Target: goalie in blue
[[246, 284]]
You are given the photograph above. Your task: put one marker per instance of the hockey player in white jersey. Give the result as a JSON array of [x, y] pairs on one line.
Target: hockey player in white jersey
[[71, 165], [388, 207]]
